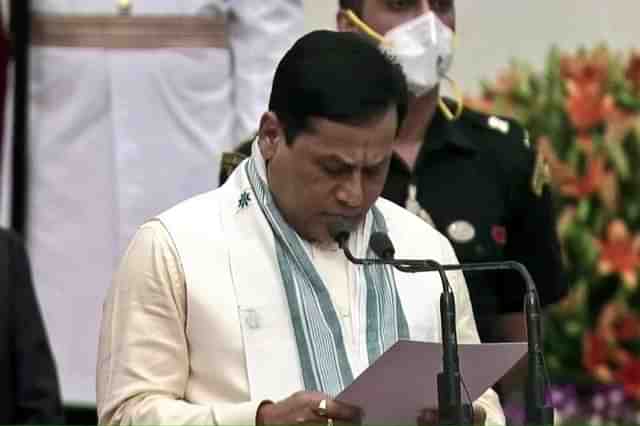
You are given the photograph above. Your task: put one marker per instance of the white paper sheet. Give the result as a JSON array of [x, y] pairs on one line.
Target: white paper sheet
[[402, 382]]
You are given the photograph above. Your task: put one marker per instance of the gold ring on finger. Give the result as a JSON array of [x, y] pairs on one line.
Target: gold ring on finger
[[322, 409]]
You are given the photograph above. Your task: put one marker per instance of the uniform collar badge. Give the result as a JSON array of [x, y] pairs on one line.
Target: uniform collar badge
[[541, 175], [461, 231]]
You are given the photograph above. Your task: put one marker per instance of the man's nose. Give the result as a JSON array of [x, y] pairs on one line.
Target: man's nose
[[351, 192]]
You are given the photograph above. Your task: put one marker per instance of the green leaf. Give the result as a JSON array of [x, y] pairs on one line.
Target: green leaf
[[628, 100], [583, 211], [618, 158]]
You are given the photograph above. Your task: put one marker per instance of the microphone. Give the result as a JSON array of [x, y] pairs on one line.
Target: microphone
[[382, 246], [339, 231], [538, 412]]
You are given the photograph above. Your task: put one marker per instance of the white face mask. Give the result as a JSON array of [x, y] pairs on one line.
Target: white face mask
[[424, 49]]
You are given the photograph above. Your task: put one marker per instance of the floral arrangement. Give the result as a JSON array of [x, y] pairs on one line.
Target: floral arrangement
[[583, 114]]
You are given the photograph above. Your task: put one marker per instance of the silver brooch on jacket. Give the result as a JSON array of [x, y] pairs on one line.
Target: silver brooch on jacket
[[245, 199], [461, 231]]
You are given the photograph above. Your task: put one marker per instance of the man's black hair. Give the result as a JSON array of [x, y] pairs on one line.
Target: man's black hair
[[339, 76]]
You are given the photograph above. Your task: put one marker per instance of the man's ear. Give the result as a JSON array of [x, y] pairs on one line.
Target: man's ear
[[271, 135], [343, 22]]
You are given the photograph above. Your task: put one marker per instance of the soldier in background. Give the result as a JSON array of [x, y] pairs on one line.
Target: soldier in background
[[475, 177]]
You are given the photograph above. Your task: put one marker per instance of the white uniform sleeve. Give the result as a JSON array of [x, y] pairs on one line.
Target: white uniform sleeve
[[5, 9], [260, 32], [468, 332], [143, 362], [6, 144]]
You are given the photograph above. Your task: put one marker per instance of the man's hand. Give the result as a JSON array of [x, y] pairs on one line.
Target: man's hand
[[303, 407], [429, 417], [479, 415]]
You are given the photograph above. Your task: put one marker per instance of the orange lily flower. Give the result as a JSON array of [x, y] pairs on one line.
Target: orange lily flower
[[583, 186], [595, 357], [628, 327], [586, 106], [629, 376], [586, 76], [596, 179], [620, 253], [619, 123], [617, 322], [590, 67]]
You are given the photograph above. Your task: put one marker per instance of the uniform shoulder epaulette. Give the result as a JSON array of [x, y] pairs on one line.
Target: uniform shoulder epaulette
[[513, 140], [500, 126]]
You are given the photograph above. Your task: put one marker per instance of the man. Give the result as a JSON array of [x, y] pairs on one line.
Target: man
[[475, 177], [132, 103], [236, 306], [29, 392]]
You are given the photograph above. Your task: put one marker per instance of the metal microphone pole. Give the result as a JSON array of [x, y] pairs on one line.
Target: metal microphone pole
[[451, 410], [538, 411]]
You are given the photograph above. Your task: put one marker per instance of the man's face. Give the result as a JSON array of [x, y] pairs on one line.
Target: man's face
[[383, 15], [331, 172]]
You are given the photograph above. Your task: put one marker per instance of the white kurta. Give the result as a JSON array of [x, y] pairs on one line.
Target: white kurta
[[118, 136], [197, 329]]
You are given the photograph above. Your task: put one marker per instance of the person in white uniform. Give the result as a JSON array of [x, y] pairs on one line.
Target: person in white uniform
[[237, 307], [132, 104]]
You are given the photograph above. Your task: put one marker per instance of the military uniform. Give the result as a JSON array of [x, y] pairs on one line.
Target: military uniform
[[478, 180]]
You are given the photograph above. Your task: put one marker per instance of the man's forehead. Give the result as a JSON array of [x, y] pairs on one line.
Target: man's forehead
[[317, 124], [364, 157], [349, 149]]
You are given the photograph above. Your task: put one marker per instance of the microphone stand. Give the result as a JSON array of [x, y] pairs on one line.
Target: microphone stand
[[538, 411], [451, 410]]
